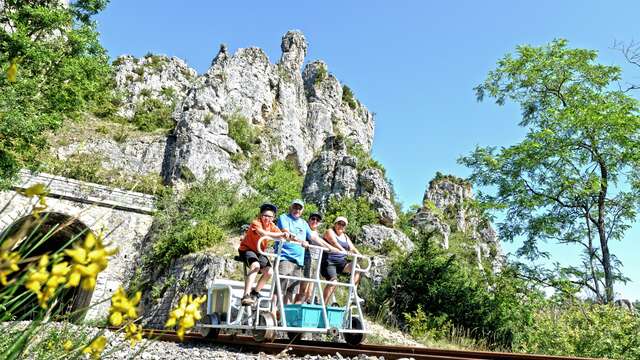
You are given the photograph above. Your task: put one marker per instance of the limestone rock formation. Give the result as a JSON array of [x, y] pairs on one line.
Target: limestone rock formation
[[373, 186], [153, 76], [136, 156], [190, 274], [335, 173], [446, 209], [276, 102], [329, 114], [374, 235]]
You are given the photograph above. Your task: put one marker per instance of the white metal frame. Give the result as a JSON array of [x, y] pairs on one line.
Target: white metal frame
[[245, 320]]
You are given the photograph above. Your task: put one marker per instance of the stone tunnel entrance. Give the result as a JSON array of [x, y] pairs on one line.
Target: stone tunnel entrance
[[55, 232]]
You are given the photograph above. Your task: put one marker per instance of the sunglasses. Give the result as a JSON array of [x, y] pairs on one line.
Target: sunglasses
[[314, 219]]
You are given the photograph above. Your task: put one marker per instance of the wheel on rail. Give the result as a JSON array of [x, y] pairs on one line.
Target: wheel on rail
[[357, 338], [207, 332], [266, 319]]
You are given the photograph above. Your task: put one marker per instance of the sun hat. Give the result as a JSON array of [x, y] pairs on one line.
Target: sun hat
[[341, 218]]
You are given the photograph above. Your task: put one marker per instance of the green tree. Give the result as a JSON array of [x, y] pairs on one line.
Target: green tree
[[55, 69], [575, 176], [453, 294]]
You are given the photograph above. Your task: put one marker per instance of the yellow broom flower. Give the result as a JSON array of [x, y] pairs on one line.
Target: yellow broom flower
[[44, 283], [123, 308], [185, 314], [96, 347], [8, 265], [133, 333], [88, 260], [40, 190]]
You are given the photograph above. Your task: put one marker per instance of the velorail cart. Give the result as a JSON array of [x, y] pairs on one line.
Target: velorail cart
[[225, 312]]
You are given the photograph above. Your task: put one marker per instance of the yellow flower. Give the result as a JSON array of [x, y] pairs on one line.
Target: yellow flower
[[88, 260], [8, 265], [12, 72], [67, 346], [123, 308], [96, 347], [185, 314], [133, 333], [36, 279], [40, 190]]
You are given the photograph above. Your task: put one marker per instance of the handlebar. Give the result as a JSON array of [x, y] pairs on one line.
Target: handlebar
[[272, 255]]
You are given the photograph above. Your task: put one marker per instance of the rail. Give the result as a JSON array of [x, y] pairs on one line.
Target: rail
[[389, 352]]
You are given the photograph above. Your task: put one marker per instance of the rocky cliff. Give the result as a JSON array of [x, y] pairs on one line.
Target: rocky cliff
[[293, 115], [448, 209]]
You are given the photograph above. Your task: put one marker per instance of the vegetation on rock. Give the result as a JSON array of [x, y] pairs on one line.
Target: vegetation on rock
[[348, 97], [242, 131]]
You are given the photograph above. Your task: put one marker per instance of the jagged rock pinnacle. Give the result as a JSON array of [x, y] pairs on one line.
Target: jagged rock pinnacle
[[294, 49]]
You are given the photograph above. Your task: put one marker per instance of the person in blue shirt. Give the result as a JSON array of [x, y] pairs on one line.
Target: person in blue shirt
[[292, 256]]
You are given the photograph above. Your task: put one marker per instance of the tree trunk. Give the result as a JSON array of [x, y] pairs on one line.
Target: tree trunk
[[592, 258], [602, 234]]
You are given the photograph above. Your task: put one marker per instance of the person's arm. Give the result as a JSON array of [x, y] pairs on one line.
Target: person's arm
[[351, 246], [329, 235], [325, 244], [273, 234]]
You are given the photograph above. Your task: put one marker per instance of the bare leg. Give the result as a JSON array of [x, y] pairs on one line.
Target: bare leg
[[328, 291], [356, 276], [251, 277], [266, 275]]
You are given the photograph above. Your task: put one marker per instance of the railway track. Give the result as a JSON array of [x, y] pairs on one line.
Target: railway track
[[389, 352]]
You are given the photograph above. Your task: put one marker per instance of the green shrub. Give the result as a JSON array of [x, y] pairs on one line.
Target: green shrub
[[357, 210], [79, 166], [139, 71], [279, 184], [347, 97], [188, 238], [242, 131], [57, 78], [599, 331], [321, 75], [145, 92], [455, 295], [365, 161], [156, 62], [201, 218], [153, 114], [169, 93], [88, 167]]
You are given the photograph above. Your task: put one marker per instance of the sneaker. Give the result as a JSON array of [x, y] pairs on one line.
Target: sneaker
[[247, 300]]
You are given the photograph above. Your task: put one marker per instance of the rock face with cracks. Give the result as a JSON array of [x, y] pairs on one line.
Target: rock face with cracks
[[447, 209], [292, 115], [334, 173]]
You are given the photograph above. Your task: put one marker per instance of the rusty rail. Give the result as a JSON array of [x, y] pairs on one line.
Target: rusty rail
[[389, 352]]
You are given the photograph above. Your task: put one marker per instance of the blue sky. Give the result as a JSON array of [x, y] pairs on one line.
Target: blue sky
[[413, 63]]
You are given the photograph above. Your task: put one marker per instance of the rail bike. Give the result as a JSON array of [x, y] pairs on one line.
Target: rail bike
[[270, 315]]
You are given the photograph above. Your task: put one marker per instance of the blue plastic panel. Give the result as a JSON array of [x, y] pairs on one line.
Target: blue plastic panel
[[309, 315]]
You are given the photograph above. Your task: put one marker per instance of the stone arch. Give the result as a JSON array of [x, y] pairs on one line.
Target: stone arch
[[61, 231]]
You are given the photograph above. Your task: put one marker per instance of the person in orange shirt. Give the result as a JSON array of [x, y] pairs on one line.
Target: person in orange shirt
[[256, 262]]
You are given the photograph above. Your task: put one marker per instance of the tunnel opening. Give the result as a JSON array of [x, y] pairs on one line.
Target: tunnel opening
[[51, 233]]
